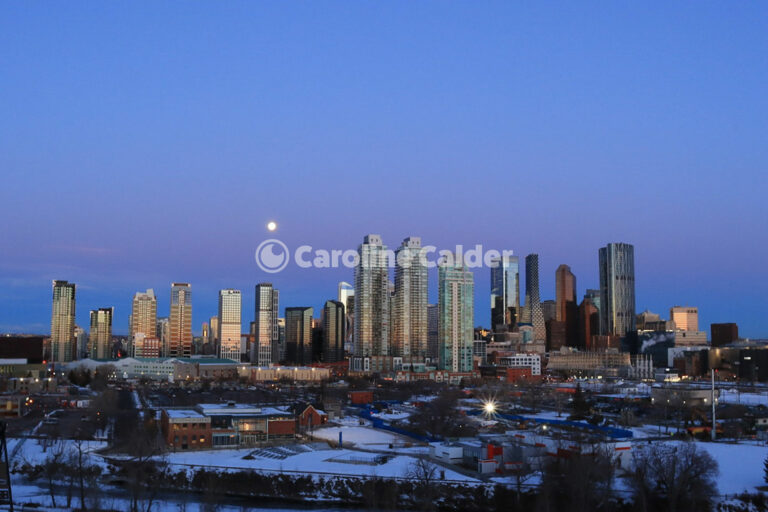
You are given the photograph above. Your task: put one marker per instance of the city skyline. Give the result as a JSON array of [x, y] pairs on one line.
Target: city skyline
[[432, 298]]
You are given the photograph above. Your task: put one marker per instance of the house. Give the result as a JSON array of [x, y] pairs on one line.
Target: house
[[309, 417]]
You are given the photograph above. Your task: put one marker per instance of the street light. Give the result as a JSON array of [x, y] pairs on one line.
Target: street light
[[489, 407]]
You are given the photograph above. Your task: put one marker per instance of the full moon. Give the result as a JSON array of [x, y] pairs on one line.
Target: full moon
[[271, 225]]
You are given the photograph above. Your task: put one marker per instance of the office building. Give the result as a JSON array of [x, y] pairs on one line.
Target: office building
[[505, 292], [567, 308], [433, 334], [723, 334], [371, 322], [180, 321], [617, 289], [265, 349], [685, 318], [144, 314], [532, 297], [230, 324], [100, 337], [456, 315], [63, 322], [334, 331], [298, 335], [409, 303], [346, 296]]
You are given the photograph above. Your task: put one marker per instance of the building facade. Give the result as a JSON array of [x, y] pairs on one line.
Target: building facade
[[371, 331], [63, 322], [566, 305], [334, 331], [409, 304], [230, 324], [532, 297], [505, 292], [685, 318], [265, 349], [456, 315], [180, 321], [617, 289], [100, 336], [144, 314], [298, 335]]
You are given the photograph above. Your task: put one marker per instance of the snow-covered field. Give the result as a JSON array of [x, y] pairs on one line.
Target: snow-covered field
[[362, 436], [317, 460], [741, 466]]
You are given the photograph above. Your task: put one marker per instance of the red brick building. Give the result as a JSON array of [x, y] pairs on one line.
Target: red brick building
[[311, 416], [186, 429]]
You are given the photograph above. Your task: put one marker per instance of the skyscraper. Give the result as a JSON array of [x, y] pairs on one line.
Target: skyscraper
[[505, 292], [298, 335], [347, 297], [230, 324], [334, 330], [144, 314], [100, 337], [266, 346], [371, 332], [567, 308], [532, 297], [163, 334], [180, 321], [456, 312], [409, 305], [63, 322], [433, 334], [80, 343], [589, 320], [617, 289]]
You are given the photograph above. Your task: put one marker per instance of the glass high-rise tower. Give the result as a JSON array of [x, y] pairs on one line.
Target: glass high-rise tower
[[371, 332], [505, 291], [63, 322], [266, 345], [532, 297], [409, 304], [298, 335], [456, 315], [617, 289], [334, 330]]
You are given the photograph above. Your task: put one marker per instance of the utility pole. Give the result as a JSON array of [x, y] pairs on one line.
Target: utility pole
[[714, 422]]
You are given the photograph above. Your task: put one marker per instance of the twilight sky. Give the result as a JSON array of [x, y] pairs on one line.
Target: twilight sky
[[149, 142]]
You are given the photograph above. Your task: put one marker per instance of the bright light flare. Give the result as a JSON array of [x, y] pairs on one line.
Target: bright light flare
[[489, 407], [271, 225]]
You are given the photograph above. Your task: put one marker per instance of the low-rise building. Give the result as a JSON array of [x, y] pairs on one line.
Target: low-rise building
[[186, 429]]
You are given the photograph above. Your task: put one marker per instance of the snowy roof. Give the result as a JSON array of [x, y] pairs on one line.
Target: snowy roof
[[183, 414], [236, 409]]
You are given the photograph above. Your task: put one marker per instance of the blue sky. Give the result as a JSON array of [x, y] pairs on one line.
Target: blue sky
[[148, 142]]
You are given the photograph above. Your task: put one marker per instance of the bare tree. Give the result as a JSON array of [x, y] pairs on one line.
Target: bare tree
[[676, 476], [53, 468], [424, 475]]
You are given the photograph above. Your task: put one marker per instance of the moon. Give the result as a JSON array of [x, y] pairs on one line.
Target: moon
[[271, 225]]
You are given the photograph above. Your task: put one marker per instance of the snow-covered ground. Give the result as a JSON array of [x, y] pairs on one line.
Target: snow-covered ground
[[732, 396], [33, 451], [741, 466], [362, 436], [317, 460]]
